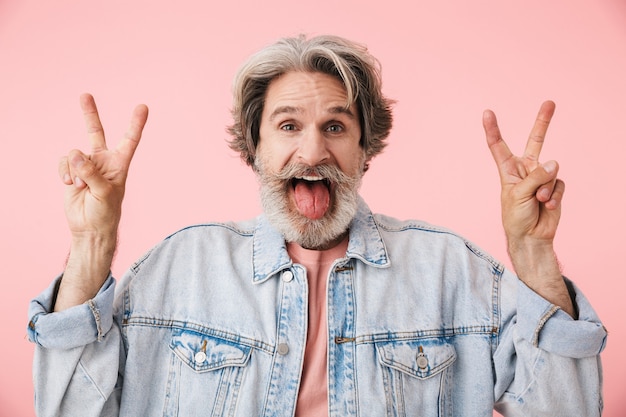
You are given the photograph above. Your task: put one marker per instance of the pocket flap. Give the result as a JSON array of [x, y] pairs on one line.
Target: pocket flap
[[418, 358], [206, 353]]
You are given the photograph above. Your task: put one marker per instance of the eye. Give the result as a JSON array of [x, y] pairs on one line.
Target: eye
[[288, 127], [334, 128]]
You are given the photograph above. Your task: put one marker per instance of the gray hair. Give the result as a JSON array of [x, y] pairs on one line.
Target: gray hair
[[349, 62]]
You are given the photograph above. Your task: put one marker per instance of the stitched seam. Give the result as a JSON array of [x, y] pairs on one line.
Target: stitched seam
[[424, 334], [90, 378], [96, 315], [542, 323], [198, 328]]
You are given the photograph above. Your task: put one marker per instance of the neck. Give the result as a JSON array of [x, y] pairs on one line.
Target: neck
[[330, 244]]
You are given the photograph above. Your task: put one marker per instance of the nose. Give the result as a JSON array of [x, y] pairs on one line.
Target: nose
[[312, 149]]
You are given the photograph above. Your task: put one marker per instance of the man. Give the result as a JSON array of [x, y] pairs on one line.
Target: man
[[317, 307]]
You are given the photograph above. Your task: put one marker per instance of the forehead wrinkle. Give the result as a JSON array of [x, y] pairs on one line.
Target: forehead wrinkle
[[342, 110], [285, 109], [297, 110]]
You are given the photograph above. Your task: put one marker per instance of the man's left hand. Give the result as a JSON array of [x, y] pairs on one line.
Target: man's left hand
[[531, 207]]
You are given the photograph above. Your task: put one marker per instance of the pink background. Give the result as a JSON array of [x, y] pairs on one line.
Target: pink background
[[443, 61]]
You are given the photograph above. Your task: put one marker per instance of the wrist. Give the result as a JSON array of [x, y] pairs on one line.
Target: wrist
[[536, 265], [533, 256], [101, 243], [88, 266]]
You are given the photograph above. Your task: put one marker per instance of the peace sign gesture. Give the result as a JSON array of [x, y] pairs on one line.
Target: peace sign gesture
[[531, 208], [95, 185], [531, 193], [93, 203]]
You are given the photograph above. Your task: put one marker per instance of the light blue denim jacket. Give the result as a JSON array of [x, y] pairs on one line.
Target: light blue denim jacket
[[213, 322]]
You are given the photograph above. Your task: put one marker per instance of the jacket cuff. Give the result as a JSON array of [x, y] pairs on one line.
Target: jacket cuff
[[548, 327], [77, 326]]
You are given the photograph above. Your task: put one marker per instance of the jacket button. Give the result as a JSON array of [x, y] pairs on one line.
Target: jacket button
[[283, 349], [287, 276], [422, 362], [200, 357]]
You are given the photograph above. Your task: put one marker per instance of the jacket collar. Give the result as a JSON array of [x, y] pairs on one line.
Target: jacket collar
[[366, 244]]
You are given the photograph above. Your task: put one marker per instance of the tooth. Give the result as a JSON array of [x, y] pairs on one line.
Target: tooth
[[311, 178]]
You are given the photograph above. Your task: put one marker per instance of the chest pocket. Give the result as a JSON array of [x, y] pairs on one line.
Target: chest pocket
[[205, 374], [417, 375]]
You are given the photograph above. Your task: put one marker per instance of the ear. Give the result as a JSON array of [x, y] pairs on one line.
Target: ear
[[366, 161]]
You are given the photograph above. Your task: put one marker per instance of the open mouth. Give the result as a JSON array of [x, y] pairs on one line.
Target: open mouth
[[311, 195], [310, 181]]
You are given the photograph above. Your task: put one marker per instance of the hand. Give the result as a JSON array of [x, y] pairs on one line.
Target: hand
[[531, 193], [95, 185], [96, 182], [531, 208]]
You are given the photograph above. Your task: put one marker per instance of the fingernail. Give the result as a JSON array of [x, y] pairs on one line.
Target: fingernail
[[67, 179], [549, 166], [78, 161], [78, 182]]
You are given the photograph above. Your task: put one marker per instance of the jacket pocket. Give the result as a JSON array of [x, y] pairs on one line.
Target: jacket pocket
[[417, 375], [205, 374]]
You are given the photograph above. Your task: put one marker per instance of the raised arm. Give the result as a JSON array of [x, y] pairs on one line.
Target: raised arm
[[531, 208], [95, 185]]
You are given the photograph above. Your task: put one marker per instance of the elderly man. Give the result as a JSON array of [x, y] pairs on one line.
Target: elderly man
[[317, 307]]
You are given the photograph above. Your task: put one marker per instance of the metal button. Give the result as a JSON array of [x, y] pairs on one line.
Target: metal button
[[422, 361], [200, 357], [283, 349], [287, 276]]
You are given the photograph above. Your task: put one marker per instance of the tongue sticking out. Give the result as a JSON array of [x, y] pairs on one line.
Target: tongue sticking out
[[312, 198]]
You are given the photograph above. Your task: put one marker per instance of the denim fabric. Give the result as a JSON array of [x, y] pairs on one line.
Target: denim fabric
[[213, 322]]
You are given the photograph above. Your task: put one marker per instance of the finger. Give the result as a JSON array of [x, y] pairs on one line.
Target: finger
[[541, 178], [84, 172], [557, 196], [129, 144], [64, 171], [538, 133], [499, 149], [544, 193], [92, 122]]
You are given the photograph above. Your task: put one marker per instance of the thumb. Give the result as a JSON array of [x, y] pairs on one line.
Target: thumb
[[541, 181], [84, 172]]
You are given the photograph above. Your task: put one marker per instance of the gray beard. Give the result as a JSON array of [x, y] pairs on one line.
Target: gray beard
[[308, 233]]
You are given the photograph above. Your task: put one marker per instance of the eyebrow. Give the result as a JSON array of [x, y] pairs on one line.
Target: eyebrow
[[295, 110]]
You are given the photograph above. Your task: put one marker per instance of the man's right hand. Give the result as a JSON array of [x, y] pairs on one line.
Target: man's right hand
[[93, 204]]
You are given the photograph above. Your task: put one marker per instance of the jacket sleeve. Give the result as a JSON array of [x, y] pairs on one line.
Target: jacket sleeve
[[78, 361], [547, 363]]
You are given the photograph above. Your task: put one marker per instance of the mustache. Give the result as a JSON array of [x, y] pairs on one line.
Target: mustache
[[275, 199], [329, 172]]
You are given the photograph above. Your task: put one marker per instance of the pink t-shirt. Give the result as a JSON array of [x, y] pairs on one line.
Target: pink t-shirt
[[313, 394]]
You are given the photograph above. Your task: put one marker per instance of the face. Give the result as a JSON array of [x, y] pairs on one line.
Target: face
[[309, 159]]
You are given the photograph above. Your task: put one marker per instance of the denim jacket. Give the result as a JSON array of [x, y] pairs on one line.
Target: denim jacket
[[213, 322]]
